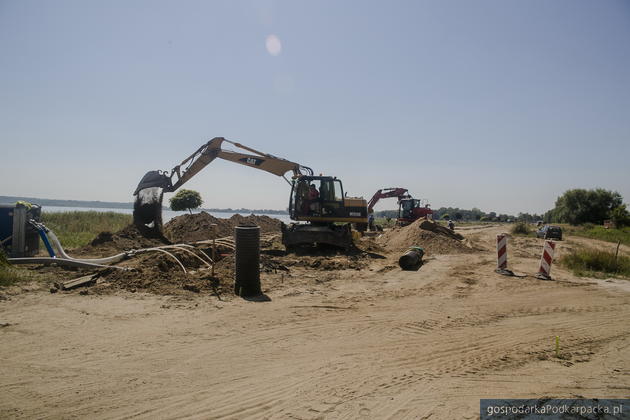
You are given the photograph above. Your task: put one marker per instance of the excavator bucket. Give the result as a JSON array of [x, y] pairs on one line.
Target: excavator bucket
[[147, 208]]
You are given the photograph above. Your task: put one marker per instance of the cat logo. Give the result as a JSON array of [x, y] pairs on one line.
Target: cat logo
[[252, 161]]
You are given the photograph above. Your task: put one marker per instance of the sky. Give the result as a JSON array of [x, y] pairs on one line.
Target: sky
[[501, 105]]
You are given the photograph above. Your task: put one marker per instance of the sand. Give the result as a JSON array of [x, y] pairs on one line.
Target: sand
[[373, 342]]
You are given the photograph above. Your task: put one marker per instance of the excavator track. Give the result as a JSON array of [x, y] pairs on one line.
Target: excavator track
[[295, 235]]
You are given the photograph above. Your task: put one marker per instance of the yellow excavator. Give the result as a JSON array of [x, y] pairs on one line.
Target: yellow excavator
[[317, 200]]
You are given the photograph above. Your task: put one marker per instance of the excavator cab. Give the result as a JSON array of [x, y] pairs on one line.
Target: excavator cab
[[317, 198], [320, 200], [412, 209]]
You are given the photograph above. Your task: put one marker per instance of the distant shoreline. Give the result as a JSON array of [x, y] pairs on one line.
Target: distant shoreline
[[117, 205]]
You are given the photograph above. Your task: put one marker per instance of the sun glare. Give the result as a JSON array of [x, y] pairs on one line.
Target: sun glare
[[273, 45]]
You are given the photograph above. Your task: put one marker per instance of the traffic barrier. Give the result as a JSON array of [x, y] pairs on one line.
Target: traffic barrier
[[501, 252], [546, 260], [502, 240]]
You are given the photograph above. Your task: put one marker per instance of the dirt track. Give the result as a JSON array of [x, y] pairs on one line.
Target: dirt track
[[377, 343]]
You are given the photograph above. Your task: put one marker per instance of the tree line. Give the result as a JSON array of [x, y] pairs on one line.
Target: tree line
[[576, 206]]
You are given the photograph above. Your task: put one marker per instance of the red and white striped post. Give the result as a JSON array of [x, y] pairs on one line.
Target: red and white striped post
[[545, 261], [501, 253]]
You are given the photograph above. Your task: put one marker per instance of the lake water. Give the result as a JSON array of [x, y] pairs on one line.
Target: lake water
[[166, 214]]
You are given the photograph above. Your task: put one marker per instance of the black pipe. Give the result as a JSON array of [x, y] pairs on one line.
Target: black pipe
[[247, 261], [412, 259]]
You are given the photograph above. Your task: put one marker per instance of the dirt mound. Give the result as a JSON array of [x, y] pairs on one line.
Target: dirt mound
[[267, 224], [319, 263], [430, 236], [198, 227], [160, 274], [128, 238]]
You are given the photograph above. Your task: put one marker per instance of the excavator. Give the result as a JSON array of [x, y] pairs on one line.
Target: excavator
[[409, 209], [317, 200]]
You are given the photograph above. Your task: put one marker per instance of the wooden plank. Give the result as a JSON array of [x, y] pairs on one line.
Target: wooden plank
[[69, 284]]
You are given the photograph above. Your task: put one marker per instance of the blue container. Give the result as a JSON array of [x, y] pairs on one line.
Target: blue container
[[6, 224], [17, 236]]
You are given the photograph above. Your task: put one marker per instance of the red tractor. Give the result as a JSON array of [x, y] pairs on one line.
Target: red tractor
[[409, 209]]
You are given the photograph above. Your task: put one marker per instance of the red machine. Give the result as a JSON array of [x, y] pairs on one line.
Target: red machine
[[400, 193], [409, 209], [412, 209]]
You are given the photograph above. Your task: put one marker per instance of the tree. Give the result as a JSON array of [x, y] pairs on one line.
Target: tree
[[445, 216], [186, 200], [579, 206], [620, 216]]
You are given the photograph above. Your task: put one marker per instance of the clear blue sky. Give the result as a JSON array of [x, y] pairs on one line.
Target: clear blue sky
[[501, 105]]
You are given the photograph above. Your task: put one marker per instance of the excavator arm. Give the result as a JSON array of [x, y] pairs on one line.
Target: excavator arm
[[203, 156], [398, 192], [148, 203]]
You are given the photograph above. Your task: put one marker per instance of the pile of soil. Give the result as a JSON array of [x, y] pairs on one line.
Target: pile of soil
[[160, 274], [319, 263], [198, 227], [430, 236], [128, 238]]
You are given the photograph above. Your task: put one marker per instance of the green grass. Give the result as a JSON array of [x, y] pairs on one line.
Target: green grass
[[77, 228], [382, 221], [10, 275], [599, 232], [596, 263]]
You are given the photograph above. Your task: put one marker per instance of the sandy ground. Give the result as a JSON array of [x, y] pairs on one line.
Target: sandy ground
[[375, 343]]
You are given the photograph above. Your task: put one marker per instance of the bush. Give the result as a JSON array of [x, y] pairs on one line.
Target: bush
[[520, 229], [589, 261], [385, 222], [186, 200]]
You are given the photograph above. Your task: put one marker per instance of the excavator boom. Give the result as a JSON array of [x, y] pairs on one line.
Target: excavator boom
[[149, 193], [397, 192], [327, 212]]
